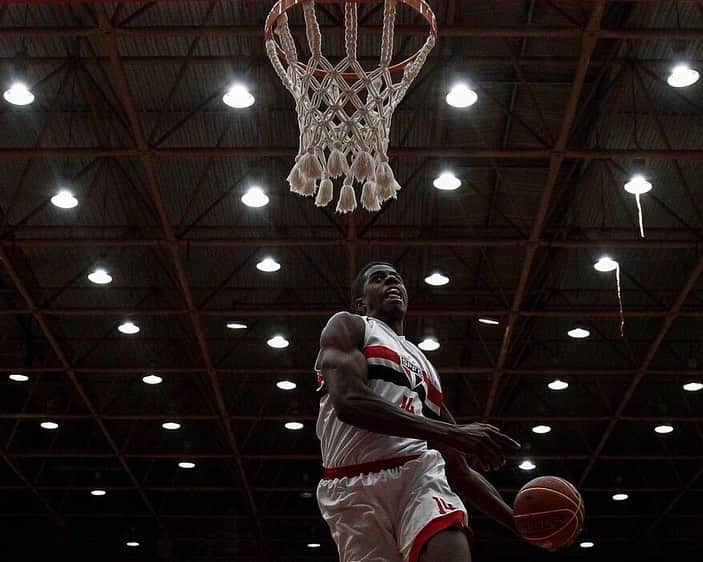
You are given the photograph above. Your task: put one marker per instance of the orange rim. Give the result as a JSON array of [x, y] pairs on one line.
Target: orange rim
[[282, 6]]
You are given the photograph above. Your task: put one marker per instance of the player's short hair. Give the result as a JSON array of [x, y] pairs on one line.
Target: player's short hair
[[360, 280]]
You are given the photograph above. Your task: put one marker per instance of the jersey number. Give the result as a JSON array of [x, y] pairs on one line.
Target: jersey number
[[407, 404], [443, 506]]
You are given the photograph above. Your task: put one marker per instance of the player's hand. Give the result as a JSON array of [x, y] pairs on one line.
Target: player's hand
[[483, 444]]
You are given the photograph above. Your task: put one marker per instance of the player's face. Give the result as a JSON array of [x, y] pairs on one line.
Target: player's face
[[384, 292]]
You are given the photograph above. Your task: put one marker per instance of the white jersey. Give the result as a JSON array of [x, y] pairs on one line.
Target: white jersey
[[399, 373]]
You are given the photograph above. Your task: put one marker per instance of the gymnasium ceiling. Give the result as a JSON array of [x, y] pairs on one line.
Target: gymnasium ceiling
[[128, 114]]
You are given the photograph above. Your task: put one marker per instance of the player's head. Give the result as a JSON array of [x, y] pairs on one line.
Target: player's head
[[379, 290]]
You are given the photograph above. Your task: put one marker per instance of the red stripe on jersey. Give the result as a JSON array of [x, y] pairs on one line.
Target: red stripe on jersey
[[434, 395], [381, 352]]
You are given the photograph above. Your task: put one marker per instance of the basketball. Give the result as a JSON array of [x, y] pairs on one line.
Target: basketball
[[549, 512]]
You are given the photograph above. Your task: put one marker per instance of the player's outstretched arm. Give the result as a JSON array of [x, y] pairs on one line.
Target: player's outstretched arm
[[472, 486], [345, 372]]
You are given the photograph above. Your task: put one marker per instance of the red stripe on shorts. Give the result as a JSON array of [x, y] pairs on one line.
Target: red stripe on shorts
[[435, 527]]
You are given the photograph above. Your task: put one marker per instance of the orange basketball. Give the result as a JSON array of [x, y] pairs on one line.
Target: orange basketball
[[549, 512]]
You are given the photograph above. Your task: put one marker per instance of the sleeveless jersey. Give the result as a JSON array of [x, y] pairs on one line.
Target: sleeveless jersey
[[399, 373]]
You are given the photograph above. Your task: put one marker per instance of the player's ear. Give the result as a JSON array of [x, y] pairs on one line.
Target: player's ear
[[360, 306]]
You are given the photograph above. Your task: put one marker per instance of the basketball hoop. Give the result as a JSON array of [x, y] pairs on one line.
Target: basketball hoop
[[344, 111]]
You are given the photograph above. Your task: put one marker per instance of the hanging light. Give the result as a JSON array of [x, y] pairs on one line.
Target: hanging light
[[527, 465], [18, 94], [98, 493], [64, 199], [693, 386], [664, 429], [587, 544], [541, 429], [152, 379], [49, 425], [682, 75], [447, 182], [605, 265], [437, 279], [171, 426], [100, 276], [294, 426], [579, 332], [238, 97], [186, 465], [268, 265], [428, 344], [286, 385], [236, 325], [637, 186], [128, 328], [278, 342], [489, 321], [461, 96], [255, 197], [18, 377], [557, 384], [620, 497]]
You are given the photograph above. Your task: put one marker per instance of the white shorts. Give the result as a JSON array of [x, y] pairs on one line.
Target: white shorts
[[389, 515]]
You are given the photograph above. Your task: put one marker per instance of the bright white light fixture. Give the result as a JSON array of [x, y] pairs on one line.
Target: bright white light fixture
[[437, 279], [171, 426], [428, 344], [49, 425], [128, 328], [278, 342], [100, 277], [313, 545], [693, 386], [527, 465], [98, 493], [236, 326], [579, 333], [541, 429], [186, 465], [586, 544], [638, 185], [620, 497], [447, 182], [294, 426], [286, 385], [605, 264], [152, 379], [681, 76], [132, 544], [268, 265], [64, 199], [18, 94], [461, 96], [255, 197], [489, 321], [17, 377], [558, 385], [664, 429], [238, 97]]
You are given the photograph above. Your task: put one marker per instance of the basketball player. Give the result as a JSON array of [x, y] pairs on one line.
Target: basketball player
[[384, 493]]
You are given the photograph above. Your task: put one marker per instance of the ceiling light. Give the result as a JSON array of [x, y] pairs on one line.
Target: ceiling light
[[18, 94], [152, 379], [579, 333], [129, 328], [64, 199], [49, 425], [255, 197], [437, 279], [171, 426], [489, 321], [186, 465], [294, 426], [100, 277], [268, 265], [638, 185], [586, 544], [693, 386], [98, 493], [527, 465], [278, 342], [605, 264], [236, 326], [461, 96], [664, 429], [428, 344], [620, 497], [681, 76], [306, 495], [286, 385], [447, 182], [313, 545], [541, 429], [558, 385], [17, 377], [132, 543], [238, 97]]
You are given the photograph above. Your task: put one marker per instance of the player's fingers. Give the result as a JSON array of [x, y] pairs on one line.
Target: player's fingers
[[503, 441]]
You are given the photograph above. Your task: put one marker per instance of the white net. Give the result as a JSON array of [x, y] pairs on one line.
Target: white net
[[344, 111]]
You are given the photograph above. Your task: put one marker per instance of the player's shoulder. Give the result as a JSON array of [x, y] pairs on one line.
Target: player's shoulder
[[345, 321]]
